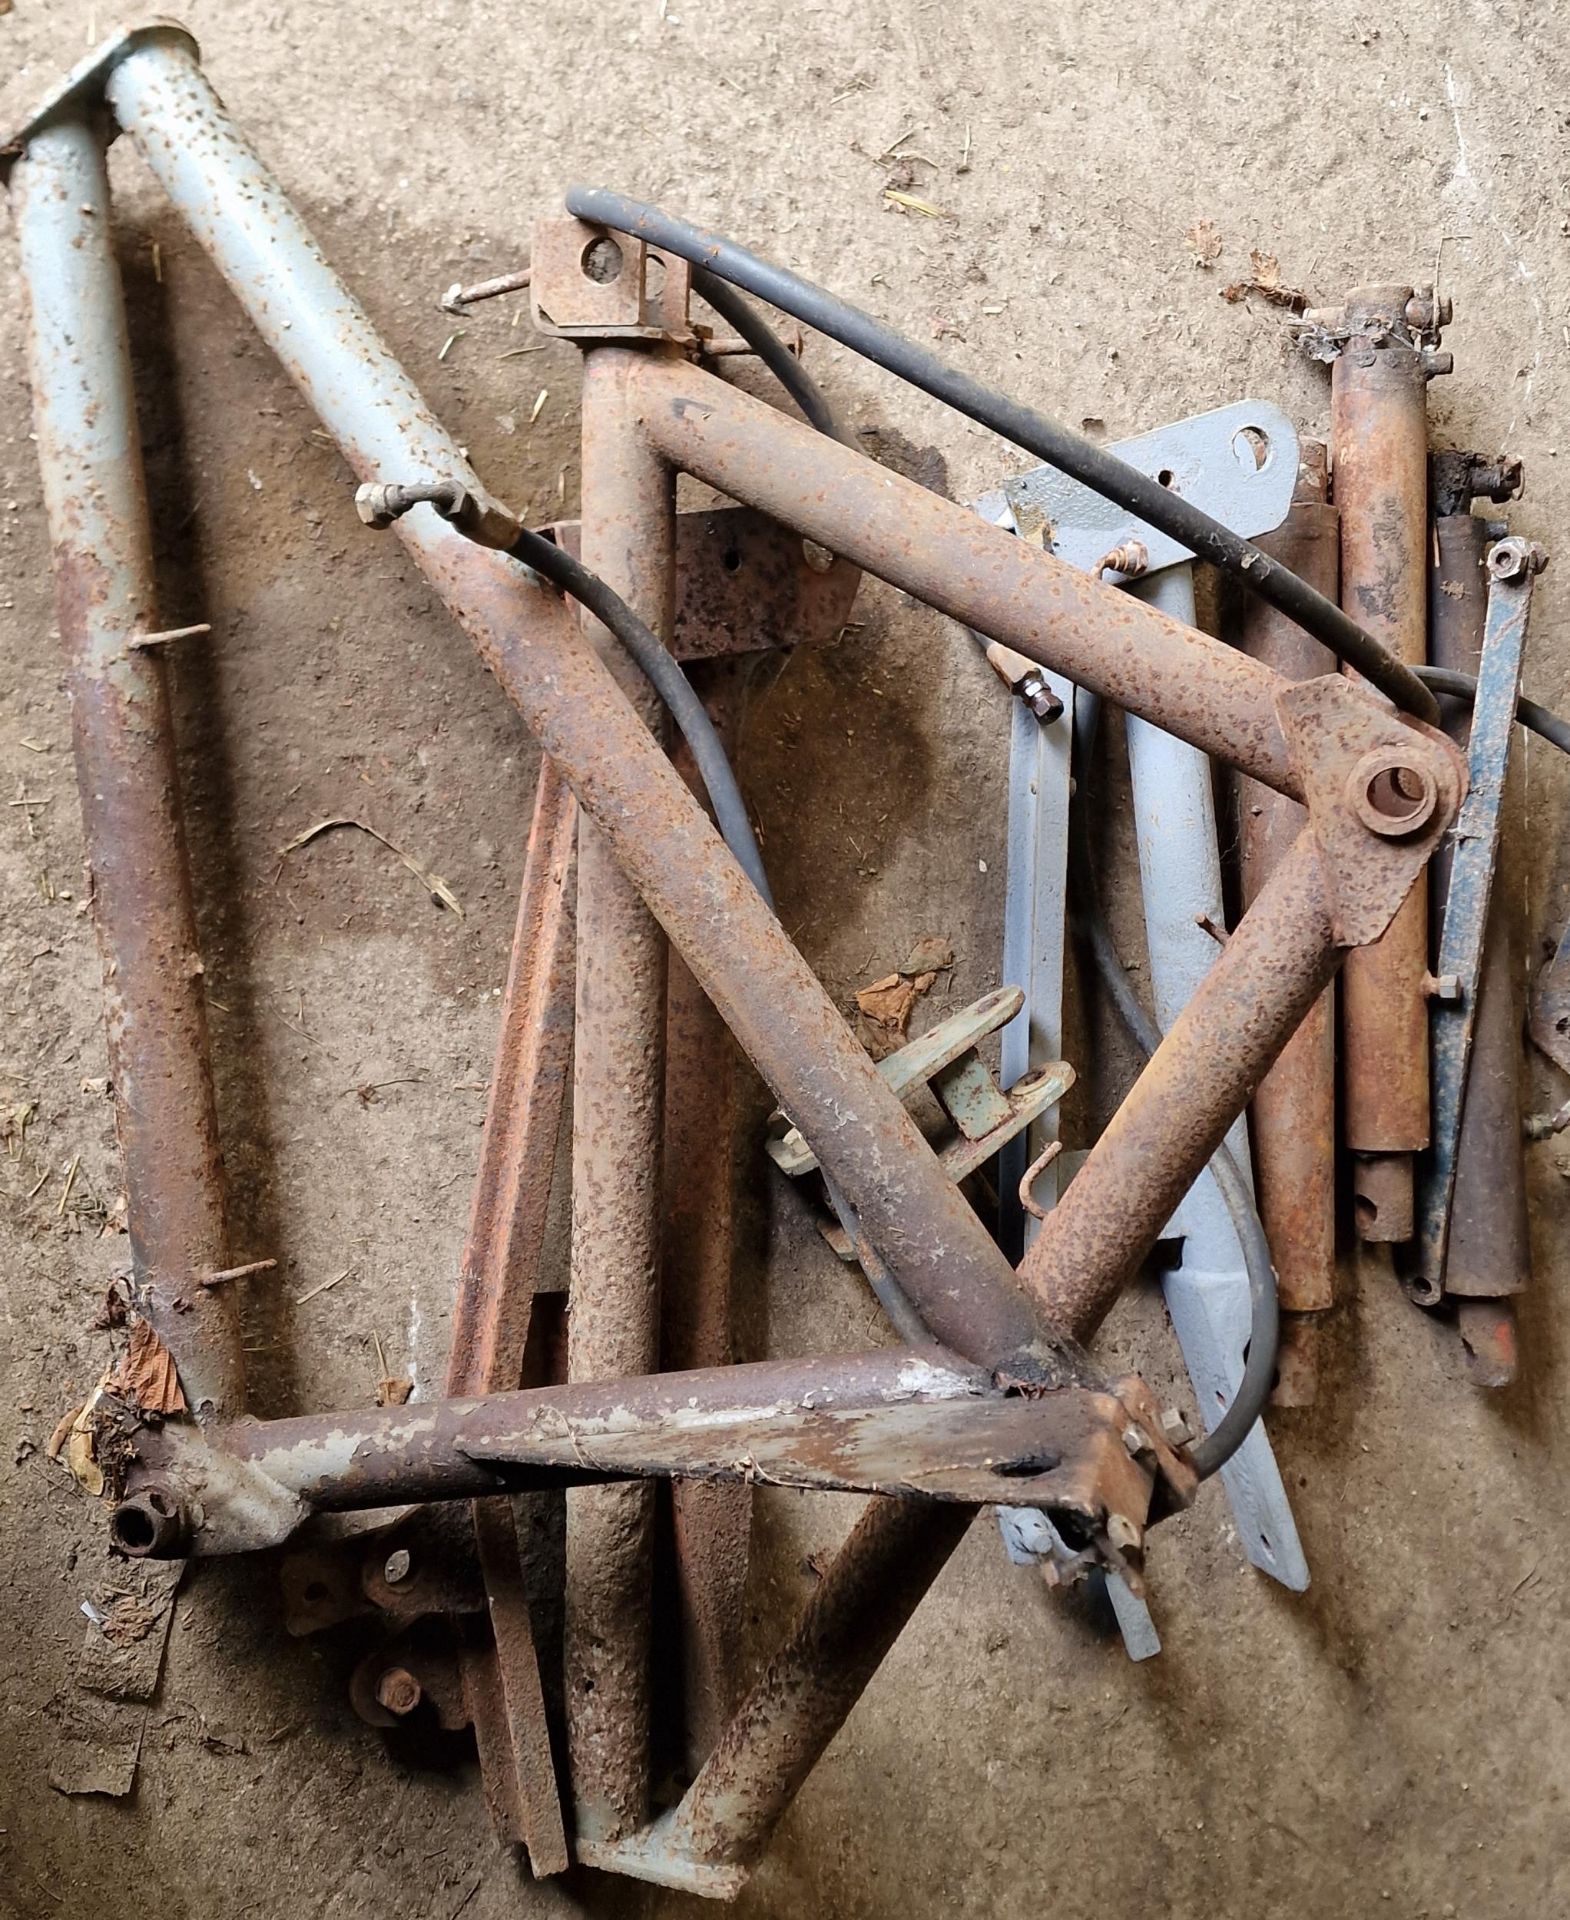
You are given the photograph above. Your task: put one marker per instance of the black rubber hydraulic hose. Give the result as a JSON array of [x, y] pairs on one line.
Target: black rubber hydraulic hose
[[1542, 721], [751, 326], [663, 672], [1211, 1453], [1092, 466], [489, 524]]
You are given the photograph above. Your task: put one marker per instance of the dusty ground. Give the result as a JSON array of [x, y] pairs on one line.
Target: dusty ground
[[1396, 1741]]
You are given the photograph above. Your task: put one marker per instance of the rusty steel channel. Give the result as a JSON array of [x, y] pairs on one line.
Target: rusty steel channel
[[155, 1014], [1489, 1256], [1379, 463], [497, 1280], [628, 537], [1293, 1116]]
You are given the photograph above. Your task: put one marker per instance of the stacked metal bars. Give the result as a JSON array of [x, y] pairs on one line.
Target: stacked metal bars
[[1339, 887], [1413, 570]]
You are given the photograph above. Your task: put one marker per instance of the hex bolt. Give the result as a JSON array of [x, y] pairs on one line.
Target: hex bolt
[[1175, 1427], [398, 1691], [1040, 698], [1443, 987], [1514, 559], [398, 1568]]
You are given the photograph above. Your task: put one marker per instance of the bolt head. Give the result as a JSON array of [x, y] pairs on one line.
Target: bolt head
[[1123, 1533], [370, 503], [399, 1566], [1515, 559], [1042, 701], [1175, 1427], [398, 1691]]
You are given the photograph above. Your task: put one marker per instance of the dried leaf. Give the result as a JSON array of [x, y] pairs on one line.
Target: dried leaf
[[1204, 240], [887, 1003], [73, 1442], [912, 203], [931, 954], [1265, 280], [147, 1376], [393, 1392], [438, 888]]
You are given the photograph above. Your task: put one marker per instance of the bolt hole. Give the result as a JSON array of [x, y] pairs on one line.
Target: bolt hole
[[1027, 1466], [730, 560], [316, 1592], [1396, 793], [1166, 477], [1251, 449], [816, 557], [602, 260]]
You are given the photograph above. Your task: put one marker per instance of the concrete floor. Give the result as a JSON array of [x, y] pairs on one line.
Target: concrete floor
[[1393, 1742]]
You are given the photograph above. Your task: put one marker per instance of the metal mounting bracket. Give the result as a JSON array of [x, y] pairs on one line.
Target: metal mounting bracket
[[945, 1059]]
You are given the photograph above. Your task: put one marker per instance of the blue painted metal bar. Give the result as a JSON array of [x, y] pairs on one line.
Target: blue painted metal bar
[[1512, 565]]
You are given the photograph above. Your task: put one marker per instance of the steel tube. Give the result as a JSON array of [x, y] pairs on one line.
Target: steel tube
[[1279, 959], [1294, 1108], [84, 415], [628, 538], [858, 1610], [392, 1456], [711, 1520], [745, 962], [1379, 463], [949, 557]]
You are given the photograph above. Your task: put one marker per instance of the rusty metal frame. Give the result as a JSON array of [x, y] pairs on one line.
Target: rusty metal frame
[[1324, 743]]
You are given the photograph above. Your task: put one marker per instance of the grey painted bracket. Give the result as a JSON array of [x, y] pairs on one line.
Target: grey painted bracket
[[1207, 1292], [1240, 464]]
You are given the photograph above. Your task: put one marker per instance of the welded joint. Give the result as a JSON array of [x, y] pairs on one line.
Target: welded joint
[[1380, 792]]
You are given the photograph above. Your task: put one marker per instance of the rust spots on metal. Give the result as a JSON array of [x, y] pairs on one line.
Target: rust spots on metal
[[628, 538], [1379, 458], [1294, 1109], [500, 1267], [1004, 587], [1278, 961], [711, 1521], [154, 1004], [1489, 1252], [745, 584]]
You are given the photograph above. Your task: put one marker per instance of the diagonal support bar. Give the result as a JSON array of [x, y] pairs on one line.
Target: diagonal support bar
[[155, 1009]]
